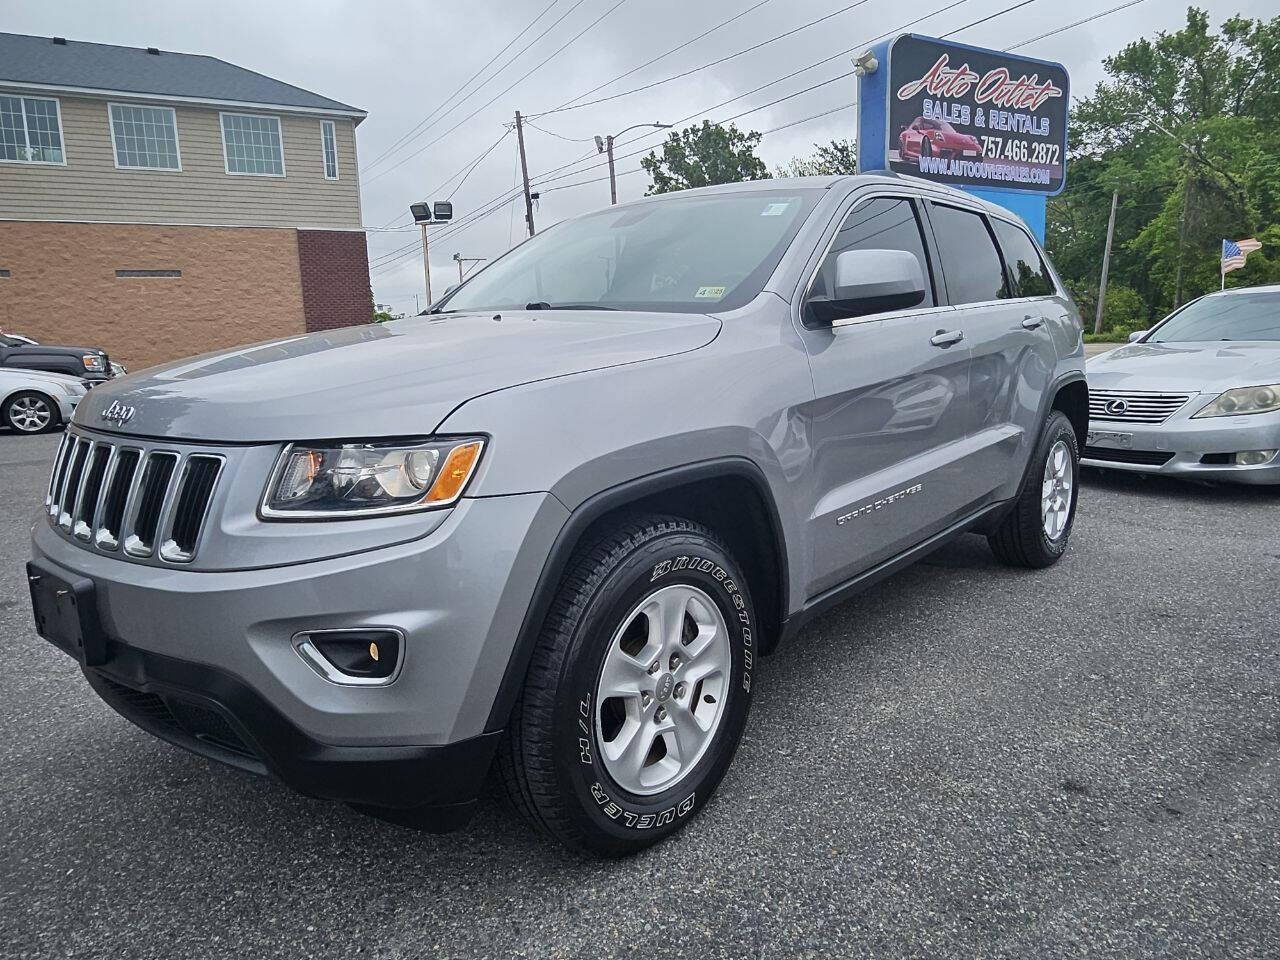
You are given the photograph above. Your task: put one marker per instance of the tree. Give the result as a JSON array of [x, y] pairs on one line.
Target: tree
[[1183, 128], [702, 156], [838, 158]]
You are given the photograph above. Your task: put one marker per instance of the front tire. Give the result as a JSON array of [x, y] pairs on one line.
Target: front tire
[[638, 689], [30, 412], [1036, 530]]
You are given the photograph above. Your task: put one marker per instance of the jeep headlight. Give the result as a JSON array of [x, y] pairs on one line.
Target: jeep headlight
[[1242, 400], [369, 479]]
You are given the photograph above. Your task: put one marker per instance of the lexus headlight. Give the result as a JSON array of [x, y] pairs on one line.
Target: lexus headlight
[[369, 479], [1242, 400]]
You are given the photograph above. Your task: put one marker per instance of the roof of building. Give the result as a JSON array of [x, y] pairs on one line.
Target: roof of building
[[57, 63]]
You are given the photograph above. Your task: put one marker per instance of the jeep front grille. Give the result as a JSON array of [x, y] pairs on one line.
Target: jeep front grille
[[123, 497], [1134, 406]]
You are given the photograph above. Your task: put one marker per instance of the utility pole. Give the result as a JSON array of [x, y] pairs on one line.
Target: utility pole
[[459, 259], [1182, 236], [426, 261], [1106, 262], [605, 145], [524, 174], [613, 177]]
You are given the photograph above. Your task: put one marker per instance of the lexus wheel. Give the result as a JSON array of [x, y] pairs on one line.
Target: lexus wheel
[[30, 412], [1036, 531], [638, 690]]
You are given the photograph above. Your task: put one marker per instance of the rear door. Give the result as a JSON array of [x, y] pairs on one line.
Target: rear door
[[890, 412], [997, 281]]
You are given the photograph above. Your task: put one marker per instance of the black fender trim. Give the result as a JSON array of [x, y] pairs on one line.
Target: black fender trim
[[587, 513]]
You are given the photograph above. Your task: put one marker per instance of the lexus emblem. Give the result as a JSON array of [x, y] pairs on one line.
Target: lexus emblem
[[118, 413], [1116, 407]]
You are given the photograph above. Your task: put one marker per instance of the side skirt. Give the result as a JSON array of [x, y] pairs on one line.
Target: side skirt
[[841, 592]]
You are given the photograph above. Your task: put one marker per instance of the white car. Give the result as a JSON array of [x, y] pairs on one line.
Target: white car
[[33, 401]]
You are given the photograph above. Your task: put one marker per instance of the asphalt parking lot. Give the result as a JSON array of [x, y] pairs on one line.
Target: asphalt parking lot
[[968, 761]]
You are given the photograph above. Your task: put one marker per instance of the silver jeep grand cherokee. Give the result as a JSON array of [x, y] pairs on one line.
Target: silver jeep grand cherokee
[[553, 525]]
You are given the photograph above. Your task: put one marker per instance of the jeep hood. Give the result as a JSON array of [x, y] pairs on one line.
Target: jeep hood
[[400, 378], [1193, 367]]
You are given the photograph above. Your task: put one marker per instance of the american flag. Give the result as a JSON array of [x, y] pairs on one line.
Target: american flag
[[1235, 251]]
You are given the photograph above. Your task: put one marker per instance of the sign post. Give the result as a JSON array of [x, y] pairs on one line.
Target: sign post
[[987, 122]]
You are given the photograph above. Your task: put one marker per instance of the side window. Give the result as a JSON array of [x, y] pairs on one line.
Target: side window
[[1027, 271], [969, 259], [883, 223]]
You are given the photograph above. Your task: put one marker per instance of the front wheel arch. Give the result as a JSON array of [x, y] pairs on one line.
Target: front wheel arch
[[701, 492]]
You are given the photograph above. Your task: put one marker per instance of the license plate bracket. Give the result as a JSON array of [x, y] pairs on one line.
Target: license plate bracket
[[1110, 438], [66, 614]]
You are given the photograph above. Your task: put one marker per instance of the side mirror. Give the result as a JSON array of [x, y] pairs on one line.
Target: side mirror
[[1137, 335], [871, 281]]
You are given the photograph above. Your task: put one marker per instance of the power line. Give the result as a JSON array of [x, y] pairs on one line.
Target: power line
[[542, 178], [662, 56], [559, 136], [425, 120], [465, 169], [538, 66], [509, 196], [705, 66], [1051, 33]]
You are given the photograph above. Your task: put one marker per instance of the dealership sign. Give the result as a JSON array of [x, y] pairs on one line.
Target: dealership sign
[[975, 118]]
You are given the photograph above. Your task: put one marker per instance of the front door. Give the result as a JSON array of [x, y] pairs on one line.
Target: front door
[[890, 412]]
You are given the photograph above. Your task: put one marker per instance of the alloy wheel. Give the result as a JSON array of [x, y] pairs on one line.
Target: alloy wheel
[[30, 414], [662, 689], [1055, 491]]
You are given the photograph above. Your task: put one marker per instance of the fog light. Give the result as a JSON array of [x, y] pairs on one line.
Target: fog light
[[359, 657], [1254, 458]]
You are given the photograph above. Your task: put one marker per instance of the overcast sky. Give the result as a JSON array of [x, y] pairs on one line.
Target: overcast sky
[[401, 60]]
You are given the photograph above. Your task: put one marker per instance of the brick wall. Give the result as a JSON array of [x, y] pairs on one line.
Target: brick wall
[[334, 266], [239, 285]]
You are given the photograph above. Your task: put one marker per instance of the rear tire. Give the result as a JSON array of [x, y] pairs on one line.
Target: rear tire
[[30, 412], [638, 689], [1036, 531]]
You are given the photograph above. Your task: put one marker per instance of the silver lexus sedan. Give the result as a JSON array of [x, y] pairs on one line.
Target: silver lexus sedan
[[1196, 396]]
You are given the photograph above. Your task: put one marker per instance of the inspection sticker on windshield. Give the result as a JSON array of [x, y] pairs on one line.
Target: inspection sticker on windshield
[[709, 293], [774, 210]]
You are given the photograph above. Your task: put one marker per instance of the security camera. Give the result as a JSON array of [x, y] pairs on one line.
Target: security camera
[[865, 63]]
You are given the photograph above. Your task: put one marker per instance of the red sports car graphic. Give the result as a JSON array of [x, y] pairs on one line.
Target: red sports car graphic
[[936, 138]]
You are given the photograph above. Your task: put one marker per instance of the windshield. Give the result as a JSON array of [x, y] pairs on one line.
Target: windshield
[[677, 254], [9, 341], [1240, 316]]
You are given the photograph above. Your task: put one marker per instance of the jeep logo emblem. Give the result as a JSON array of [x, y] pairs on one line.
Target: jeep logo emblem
[[666, 683], [118, 413]]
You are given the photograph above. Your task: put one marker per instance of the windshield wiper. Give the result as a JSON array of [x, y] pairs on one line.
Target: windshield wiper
[[543, 305]]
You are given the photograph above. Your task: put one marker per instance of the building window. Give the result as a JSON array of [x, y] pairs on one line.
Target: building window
[[148, 273], [145, 138], [329, 138], [30, 130], [252, 144], [5, 273]]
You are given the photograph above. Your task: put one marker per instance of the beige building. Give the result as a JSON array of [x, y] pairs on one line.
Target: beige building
[[162, 204]]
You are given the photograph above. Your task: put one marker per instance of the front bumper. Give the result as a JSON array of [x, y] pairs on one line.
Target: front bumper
[[207, 660], [1179, 446]]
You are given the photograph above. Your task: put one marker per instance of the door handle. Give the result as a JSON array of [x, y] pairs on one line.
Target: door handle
[[1031, 322], [945, 338]]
